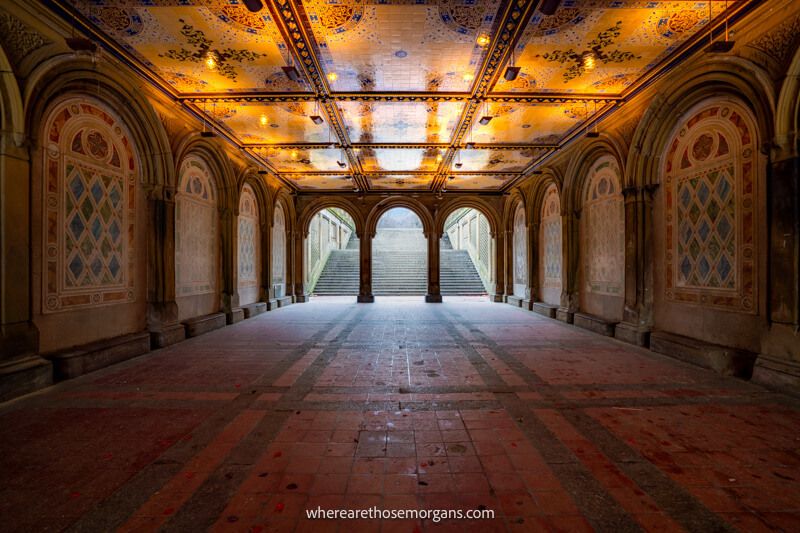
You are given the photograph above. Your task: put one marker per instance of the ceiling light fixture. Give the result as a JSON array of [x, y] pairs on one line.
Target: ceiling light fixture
[[262, 172], [439, 158], [719, 47], [211, 59], [253, 6], [332, 76], [593, 133], [263, 120], [469, 76], [483, 39], [588, 60], [205, 132], [511, 71], [315, 118], [291, 73], [80, 44], [485, 120]]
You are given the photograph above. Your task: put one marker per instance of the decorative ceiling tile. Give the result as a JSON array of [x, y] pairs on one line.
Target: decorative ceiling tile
[[399, 159], [495, 159], [400, 122], [279, 123], [479, 181], [295, 160], [400, 181], [328, 182], [396, 45], [539, 123], [198, 46], [625, 38]]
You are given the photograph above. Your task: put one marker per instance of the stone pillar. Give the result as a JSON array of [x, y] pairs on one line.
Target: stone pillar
[[21, 371], [778, 363], [532, 288], [499, 267], [229, 249], [637, 319], [508, 239], [298, 238], [570, 266], [434, 294], [365, 269], [162, 310]]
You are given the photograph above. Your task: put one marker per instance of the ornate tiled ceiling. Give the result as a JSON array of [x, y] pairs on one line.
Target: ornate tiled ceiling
[[397, 88]]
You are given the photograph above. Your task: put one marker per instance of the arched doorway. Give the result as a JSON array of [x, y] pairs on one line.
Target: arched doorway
[[249, 247], [467, 254], [399, 255], [331, 254], [520, 253]]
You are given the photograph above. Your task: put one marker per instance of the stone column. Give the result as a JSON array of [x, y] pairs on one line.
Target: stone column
[[365, 269], [509, 263], [499, 267], [570, 266], [229, 249], [434, 294], [637, 316], [162, 310], [21, 371], [298, 238], [532, 288]]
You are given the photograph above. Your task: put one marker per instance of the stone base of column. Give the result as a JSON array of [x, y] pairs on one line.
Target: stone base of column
[[24, 374], [633, 334], [778, 373], [565, 315], [300, 298], [433, 298], [167, 334], [365, 299], [496, 298]]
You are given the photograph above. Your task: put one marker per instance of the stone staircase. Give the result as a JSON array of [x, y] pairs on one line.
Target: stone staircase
[[399, 267]]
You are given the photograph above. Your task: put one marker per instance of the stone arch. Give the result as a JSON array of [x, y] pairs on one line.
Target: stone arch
[[578, 171], [318, 204], [414, 205], [602, 239], [475, 202], [12, 112], [736, 78], [214, 157], [88, 222], [787, 113], [63, 75]]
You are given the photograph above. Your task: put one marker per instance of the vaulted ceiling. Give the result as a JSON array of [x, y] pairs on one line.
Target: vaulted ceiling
[[400, 86]]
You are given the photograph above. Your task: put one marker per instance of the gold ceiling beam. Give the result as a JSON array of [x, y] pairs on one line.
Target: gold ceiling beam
[[508, 29], [292, 21]]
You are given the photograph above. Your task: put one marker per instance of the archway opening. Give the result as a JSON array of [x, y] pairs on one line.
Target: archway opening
[[399, 255], [331, 254], [466, 254]]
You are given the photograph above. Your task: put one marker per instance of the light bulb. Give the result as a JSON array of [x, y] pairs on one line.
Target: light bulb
[[482, 39], [263, 120], [211, 61], [588, 60], [332, 76]]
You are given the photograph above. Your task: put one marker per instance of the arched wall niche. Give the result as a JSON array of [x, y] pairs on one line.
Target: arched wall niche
[[197, 239], [88, 217], [710, 230], [550, 247], [519, 255], [602, 240], [281, 245], [249, 249]]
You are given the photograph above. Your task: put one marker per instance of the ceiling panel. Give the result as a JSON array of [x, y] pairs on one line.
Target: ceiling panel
[[495, 159], [479, 181], [400, 181], [295, 160], [328, 182], [386, 45], [400, 122], [539, 123], [175, 42], [255, 122], [626, 37], [399, 159]]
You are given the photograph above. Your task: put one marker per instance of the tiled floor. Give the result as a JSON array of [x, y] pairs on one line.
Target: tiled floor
[[401, 405]]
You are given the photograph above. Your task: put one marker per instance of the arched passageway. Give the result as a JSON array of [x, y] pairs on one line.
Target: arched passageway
[[399, 255], [467, 254], [331, 254]]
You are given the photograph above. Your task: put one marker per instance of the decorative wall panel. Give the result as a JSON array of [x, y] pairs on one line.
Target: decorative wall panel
[[520, 252], [249, 235], [89, 207], [196, 241], [550, 242], [603, 230], [279, 250], [710, 197]]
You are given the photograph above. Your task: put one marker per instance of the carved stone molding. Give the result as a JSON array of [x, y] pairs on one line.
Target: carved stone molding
[[18, 40]]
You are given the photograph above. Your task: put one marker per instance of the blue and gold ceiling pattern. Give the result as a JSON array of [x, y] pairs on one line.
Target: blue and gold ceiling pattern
[[399, 94]]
